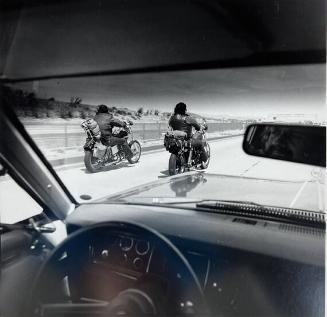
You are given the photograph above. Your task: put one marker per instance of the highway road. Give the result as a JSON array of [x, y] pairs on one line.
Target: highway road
[[227, 158]]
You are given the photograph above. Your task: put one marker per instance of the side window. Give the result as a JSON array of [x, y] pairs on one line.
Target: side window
[[15, 203]]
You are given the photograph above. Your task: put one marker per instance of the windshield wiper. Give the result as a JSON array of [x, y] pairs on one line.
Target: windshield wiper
[[253, 210]]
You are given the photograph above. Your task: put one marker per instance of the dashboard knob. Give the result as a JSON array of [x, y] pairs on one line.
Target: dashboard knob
[[123, 258], [104, 253]]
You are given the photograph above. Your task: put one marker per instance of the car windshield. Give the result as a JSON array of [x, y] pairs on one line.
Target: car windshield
[[52, 112], [103, 100]]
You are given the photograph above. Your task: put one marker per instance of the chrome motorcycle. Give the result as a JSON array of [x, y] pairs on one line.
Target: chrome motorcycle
[[98, 156], [183, 155]]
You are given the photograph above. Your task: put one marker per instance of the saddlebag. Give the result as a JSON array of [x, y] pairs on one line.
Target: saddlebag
[[173, 141], [93, 127]]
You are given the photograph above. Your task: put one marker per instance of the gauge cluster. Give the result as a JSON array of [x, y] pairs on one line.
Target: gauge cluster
[[123, 252]]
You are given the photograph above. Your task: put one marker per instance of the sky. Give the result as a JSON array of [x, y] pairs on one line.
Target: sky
[[230, 92]]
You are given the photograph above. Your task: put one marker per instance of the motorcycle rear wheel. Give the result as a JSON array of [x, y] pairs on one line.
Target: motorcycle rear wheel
[[90, 162], [176, 165], [136, 149]]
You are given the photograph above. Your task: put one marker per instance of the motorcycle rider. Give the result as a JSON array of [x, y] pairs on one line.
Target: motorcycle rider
[[181, 121], [106, 122]]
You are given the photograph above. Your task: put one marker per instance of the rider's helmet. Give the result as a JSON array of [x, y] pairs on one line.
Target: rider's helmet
[[180, 108], [103, 109]]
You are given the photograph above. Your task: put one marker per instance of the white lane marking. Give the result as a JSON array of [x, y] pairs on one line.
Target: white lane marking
[[246, 170], [320, 197], [297, 195]]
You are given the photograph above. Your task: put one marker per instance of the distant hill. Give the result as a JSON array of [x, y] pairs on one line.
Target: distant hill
[[28, 106]]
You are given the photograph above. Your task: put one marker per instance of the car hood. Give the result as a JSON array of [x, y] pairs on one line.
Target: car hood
[[203, 186]]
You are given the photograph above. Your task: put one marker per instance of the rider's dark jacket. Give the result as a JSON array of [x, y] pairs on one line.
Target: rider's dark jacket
[[183, 123], [106, 122]]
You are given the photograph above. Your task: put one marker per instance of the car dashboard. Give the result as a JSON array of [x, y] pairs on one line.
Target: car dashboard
[[133, 257], [126, 253], [281, 274]]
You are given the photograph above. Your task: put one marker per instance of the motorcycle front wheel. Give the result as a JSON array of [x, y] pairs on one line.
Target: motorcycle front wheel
[[176, 164], [136, 149], [91, 162]]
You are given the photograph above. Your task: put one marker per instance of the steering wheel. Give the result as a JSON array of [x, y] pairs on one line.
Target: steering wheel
[[177, 292]]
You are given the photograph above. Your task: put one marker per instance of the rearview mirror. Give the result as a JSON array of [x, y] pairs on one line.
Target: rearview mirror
[[293, 143]]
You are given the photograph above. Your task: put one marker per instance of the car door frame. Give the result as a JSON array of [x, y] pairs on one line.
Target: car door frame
[[23, 247], [30, 169]]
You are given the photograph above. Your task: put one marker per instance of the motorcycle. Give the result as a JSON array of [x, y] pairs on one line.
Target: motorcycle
[[98, 156], [183, 156]]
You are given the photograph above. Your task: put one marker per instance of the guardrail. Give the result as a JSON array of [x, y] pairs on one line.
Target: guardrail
[[66, 135], [77, 157]]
